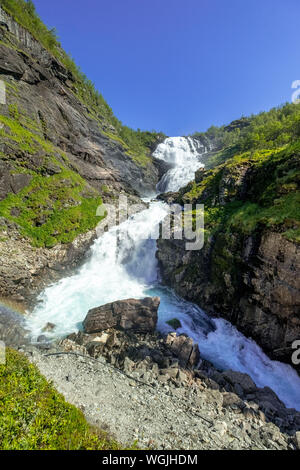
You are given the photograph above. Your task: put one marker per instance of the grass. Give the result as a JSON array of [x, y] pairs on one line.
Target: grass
[[52, 208], [34, 416]]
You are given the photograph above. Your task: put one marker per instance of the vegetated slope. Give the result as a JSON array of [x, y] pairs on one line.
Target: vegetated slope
[[62, 153], [248, 268], [267, 130], [34, 416]]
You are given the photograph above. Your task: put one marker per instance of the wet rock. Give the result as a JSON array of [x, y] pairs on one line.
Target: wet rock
[[184, 348], [131, 314], [12, 328], [174, 323], [49, 327]]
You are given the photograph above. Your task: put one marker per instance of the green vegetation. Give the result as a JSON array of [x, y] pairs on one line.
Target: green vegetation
[[137, 143], [272, 197], [267, 130], [57, 204], [34, 416]]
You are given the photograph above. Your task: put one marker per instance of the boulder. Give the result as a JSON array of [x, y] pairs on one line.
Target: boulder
[[184, 348], [130, 314]]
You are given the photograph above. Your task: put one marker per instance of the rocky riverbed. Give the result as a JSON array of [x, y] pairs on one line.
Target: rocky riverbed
[[157, 390]]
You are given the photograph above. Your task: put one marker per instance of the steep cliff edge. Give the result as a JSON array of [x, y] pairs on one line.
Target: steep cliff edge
[[247, 269], [62, 153]]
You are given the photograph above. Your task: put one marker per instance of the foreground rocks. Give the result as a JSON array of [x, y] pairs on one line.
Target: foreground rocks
[[45, 95], [126, 340], [137, 390], [162, 416]]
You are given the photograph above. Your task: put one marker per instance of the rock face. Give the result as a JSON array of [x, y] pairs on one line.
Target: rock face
[[25, 270], [249, 276], [72, 146], [47, 93], [174, 361], [130, 314], [261, 297]]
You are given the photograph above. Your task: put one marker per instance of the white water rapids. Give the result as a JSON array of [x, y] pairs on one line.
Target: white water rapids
[[123, 265]]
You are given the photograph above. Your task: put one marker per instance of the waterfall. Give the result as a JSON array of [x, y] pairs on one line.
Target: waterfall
[[184, 154], [123, 264]]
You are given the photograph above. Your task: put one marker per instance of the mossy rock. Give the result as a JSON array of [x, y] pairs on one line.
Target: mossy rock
[[174, 323]]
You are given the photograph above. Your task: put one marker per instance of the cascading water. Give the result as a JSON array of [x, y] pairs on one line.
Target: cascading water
[[123, 265], [184, 154]]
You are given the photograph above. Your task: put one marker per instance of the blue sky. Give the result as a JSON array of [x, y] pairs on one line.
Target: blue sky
[[182, 65]]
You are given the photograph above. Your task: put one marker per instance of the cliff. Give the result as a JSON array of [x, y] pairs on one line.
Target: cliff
[[62, 153]]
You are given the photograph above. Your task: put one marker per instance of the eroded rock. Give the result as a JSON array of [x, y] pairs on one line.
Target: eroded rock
[[130, 314]]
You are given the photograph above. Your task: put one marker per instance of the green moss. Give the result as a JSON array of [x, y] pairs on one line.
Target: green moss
[[174, 323], [141, 159], [137, 142], [34, 416]]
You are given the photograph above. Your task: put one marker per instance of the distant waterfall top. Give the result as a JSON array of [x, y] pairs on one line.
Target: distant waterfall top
[[184, 154]]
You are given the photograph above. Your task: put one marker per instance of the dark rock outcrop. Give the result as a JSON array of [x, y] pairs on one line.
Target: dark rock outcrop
[[130, 314], [247, 275]]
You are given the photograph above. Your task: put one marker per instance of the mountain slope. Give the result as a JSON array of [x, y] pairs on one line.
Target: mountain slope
[[62, 153]]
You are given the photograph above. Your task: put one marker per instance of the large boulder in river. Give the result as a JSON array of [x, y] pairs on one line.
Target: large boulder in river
[[130, 314]]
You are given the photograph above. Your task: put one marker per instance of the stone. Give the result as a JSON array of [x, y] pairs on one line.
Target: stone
[[70, 346], [102, 338], [174, 323], [184, 348], [232, 400], [19, 181], [240, 379], [49, 327], [130, 314], [171, 372], [220, 428]]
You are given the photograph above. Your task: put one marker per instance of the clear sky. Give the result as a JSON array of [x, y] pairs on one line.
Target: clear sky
[[181, 65]]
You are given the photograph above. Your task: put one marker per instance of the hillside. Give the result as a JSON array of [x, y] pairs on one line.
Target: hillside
[[62, 154]]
